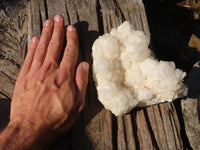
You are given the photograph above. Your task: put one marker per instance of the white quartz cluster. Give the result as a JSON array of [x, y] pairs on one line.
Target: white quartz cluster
[[127, 75]]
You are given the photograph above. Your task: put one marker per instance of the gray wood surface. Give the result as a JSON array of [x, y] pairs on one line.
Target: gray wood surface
[[155, 127], [13, 44]]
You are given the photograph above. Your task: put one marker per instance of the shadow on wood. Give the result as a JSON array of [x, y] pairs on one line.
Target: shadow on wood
[[192, 81], [93, 106], [4, 113]]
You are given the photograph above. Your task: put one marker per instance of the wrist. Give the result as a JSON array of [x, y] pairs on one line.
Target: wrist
[[21, 135]]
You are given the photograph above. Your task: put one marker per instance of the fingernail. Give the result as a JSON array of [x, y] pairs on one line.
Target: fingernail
[[48, 23], [58, 18], [35, 40], [85, 67], [71, 28]]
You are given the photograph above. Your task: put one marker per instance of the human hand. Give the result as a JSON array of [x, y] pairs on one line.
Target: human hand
[[48, 95]]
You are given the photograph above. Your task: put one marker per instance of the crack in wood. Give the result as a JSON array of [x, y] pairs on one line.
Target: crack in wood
[[41, 22], [10, 78], [135, 133], [68, 17], [114, 132], [121, 12], [154, 142], [9, 59], [99, 16], [43, 10], [7, 97], [183, 134], [174, 129]]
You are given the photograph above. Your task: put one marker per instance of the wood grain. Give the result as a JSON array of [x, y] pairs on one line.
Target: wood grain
[[155, 127], [13, 44]]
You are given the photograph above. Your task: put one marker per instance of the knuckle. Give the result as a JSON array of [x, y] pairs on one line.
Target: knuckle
[[69, 67], [54, 90], [31, 75], [49, 66], [51, 62], [55, 43], [71, 50], [41, 47]]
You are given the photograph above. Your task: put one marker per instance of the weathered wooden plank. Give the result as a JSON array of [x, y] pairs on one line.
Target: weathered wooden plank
[[190, 110], [6, 85], [22, 34], [191, 106], [43, 10], [166, 131], [98, 123], [144, 136], [143, 16], [8, 37], [72, 11], [12, 45], [175, 126], [55, 7], [133, 10], [9, 68], [171, 144], [121, 141], [155, 120], [34, 20], [111, 15], [130, 140]]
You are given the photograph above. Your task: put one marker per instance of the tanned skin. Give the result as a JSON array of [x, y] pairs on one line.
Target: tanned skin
[[48, 96]]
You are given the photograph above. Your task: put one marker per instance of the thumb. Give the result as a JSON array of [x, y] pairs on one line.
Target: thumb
[[81, 80]]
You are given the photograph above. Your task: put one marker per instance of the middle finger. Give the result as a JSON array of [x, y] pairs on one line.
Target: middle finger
[[56, 42]]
